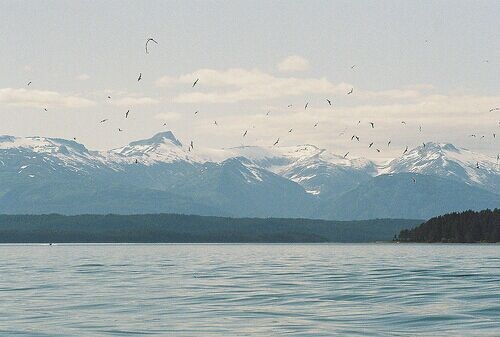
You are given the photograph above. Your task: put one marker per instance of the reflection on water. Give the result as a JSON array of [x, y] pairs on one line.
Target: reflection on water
[[241, 290]]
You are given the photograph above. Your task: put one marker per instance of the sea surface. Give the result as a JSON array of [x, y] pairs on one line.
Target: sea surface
[[250, 290]]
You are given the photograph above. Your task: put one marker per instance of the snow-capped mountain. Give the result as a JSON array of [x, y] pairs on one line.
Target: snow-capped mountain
[[160, 174], [448, 161]]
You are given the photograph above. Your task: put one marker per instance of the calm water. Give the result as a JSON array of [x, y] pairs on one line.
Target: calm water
[[242, 290]]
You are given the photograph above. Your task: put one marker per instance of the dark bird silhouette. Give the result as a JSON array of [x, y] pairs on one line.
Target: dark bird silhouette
[[194, 83], [494, 109], [191, 144], [354, 136], [388, 143], [215, 122], [345, 156], [373, 126], [482, 137], [74, 138], [126, 113], [371, 144], [477, 165], [494, 135], [149, 40], [315, 125], [305, 106], [164, 124], [352, 67], [139, 78], [350, 91], [196, 112], [359, 122], [104, 120], [245, 133], [472, 136], [378, 150], [406, 150], [120, 130], [414, 180], [109, 96], [403, 122], [420, 128], [45, 109], [29, 83], [276, 142], [423, 144], [136, 161], [290, 130], [329, 102], [267, 114]]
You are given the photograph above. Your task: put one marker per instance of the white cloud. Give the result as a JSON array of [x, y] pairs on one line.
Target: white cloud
[[41, 98], [133, 101], [293, 63], [83, 77], [235, 85], [168, 116]]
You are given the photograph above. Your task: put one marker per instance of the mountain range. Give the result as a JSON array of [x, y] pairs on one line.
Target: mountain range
[[161, 175]]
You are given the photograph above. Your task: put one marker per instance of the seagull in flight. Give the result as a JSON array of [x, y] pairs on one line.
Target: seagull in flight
[[120, 130], [371, 144], [149, 40], [315, 125], [139, 78], [196, 112], [378, 150], [305, 106], [477, 165], [276, 142], [245, 133], [403, 122], [350, 91], [126, 113], [215, 122], [191, 145], [104, 120], [194, 83], [373, 126], [414, 180], [290, 130], [491, 110], [345, 156], [352, 67], [109, 97], [406, 150], [388, 143], [45, 109], [267, 114], [290, 105], [29, 83], [329, 102]]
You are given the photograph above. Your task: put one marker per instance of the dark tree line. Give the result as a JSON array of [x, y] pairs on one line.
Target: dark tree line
[[191, 228], [465, 227]]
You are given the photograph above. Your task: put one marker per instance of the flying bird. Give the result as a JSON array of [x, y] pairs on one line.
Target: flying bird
[[290, 105], [305, 106], [494, 135], [406, 150], [352, 67], [139, 78], [191, 144], [414, 180], [245, 133], [109, 96], [267, 114], [290, 130], [388, 143], [45, 109], [315, 125], [420, 128], [472, 136], [136, 161], [491, 110], [373, 126], [371, 144], [346, 154], [164, 124], [120, 130], [477, 165], [403, 122], [195, 82], [196, 112], [29, 83], [104, 120], [423, 144], [215, 122], [329, 102], [276, 142], [149, 40], [378, 150], [126, 113], [350, 91]]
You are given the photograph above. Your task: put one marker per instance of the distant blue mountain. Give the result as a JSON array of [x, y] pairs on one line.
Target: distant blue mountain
[[160, 174]]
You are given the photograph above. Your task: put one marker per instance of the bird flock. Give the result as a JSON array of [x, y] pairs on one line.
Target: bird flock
[[329, 101]]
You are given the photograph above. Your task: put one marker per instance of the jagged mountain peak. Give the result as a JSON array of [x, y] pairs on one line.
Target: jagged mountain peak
[[158, 139]]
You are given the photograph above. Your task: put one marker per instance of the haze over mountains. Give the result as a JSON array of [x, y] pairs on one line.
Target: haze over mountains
[[49, 175]]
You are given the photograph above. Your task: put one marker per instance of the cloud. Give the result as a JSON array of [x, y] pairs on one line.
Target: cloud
[[236, 84], [133, 101], [83, 77], [293, 63], [41, 98]]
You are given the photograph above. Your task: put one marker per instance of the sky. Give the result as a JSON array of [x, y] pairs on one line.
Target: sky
[[434, 65]]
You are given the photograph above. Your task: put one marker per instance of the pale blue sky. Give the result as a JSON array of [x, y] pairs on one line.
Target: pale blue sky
[[423, 62]]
